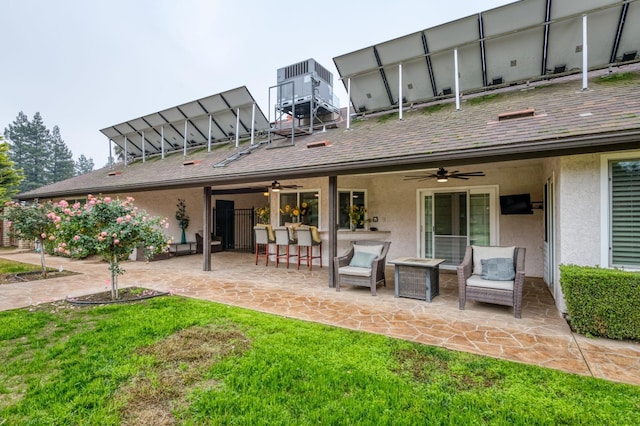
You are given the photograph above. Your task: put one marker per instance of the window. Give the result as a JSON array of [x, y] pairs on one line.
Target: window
[[346, 200], [300, 207], [625, 213]]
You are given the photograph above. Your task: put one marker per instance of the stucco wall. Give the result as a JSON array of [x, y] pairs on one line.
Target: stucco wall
[[394, 200], [579, 210]]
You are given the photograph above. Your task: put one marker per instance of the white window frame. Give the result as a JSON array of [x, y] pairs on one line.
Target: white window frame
[[298, 192], [605, 204], [351, 191]]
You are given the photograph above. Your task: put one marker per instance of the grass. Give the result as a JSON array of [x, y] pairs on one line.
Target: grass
[[618, 77], [12, 267], [174, 360]]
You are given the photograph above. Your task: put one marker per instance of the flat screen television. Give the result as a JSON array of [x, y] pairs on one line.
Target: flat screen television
[[516, 204]]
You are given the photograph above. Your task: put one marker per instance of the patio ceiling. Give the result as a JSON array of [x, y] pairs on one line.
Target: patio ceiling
[[196, 123], [518, 42]]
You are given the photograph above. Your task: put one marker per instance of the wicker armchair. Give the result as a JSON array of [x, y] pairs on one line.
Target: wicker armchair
[[216, 243], [472, 285], [346, 272]]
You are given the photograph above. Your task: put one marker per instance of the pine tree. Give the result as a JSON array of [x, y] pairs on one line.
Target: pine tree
[[10, 178], [83, 165], [29, 144], [61, 166]]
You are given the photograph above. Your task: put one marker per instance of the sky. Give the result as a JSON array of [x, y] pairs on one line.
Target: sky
[[87, 65]]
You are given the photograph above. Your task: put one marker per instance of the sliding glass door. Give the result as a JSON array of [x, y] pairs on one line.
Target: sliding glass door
[[452, 220]]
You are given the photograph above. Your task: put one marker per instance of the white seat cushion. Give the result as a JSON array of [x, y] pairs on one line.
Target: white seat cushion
[[483, 252], [477, 281], [354, 270]]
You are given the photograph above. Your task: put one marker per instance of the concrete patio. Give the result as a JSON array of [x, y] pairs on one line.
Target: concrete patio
[[542, 337]]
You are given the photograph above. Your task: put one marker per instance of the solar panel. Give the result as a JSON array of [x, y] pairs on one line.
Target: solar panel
[[525, 40], [215, 115]]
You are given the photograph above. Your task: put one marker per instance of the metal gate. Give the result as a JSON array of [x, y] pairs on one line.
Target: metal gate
[[236, 228]]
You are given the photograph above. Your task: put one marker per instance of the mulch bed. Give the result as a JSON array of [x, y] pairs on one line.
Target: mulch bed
[[125, 295], [32, 276]]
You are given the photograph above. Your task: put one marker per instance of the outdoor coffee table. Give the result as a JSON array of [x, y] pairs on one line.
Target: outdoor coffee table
[[179, 249], [417, 278]]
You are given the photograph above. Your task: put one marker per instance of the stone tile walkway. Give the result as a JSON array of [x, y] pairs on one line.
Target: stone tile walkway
[[542, 337]]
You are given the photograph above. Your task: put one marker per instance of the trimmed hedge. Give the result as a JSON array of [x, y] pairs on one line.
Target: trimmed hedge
[[602, 302]]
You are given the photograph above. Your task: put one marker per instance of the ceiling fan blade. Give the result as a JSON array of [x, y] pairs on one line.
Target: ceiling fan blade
[[471, 174], [458, 177]]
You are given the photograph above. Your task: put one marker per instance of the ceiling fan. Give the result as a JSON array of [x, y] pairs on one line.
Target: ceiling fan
[[443, 175], [277, 186]]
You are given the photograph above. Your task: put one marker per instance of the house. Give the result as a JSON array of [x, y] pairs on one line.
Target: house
[[549, 161]]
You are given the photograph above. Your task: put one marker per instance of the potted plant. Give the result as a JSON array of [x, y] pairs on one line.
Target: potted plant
[[183, 219]]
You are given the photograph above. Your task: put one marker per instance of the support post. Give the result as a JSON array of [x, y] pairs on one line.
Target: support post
[[206, 229], [253, 121], [162, 140], [237, 127], [184, 144], [110, 155], [126, 154], [143, 149], [456, 78], [333, 227], [400, 91], [585, 55], [348, 103], [209, 136]]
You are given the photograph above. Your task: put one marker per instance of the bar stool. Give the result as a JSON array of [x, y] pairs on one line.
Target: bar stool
[[308, 238], [283, 238], [264, 237]]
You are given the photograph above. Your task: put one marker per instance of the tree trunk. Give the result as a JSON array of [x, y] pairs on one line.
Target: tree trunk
[[42, 262]]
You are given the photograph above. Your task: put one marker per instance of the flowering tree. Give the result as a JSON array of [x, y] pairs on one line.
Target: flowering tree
[[110, 228], [30, 222]]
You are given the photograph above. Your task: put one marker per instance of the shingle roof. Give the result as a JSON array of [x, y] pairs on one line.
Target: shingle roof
[[567, 120]]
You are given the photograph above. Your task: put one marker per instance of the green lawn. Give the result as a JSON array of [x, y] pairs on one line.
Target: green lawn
[[12, 267], [173, 359]]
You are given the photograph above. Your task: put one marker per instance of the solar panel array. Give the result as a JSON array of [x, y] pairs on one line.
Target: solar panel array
[[145, 134], [525, 40]]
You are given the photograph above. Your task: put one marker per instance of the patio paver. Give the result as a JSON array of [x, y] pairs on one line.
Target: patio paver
[[542, 337]]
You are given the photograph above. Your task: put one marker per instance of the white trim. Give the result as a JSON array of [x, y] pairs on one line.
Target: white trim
[[605, 202], [494, 221], [351, 191]]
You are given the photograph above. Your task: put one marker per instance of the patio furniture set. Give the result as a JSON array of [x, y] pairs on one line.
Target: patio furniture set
[[486, 274], [296, 242]]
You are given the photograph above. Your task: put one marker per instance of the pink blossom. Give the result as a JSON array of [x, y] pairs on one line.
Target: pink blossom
[[76, 238], [103, 234], [114, 235], [63, 203], [128, 217], [107, 199], [9, 223], [150, 247], [63, 245], [116, 242], [130, 199], [43, 235], [92, 202], [119, 220], [100, 238], [166, 225], [57, 226], [51, 238], [76, 206]]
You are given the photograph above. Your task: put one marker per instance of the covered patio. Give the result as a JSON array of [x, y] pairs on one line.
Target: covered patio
[[542, 337]]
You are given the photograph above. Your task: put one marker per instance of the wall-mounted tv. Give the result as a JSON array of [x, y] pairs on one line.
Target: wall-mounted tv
[[516, 204]]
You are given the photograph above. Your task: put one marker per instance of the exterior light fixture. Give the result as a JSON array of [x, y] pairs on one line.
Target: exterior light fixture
[[442, 179]]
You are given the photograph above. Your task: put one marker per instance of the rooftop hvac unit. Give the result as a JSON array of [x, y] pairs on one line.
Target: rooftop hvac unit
[[312, 83]]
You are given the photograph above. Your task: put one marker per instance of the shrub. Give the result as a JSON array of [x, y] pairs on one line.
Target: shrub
[[602, 302]]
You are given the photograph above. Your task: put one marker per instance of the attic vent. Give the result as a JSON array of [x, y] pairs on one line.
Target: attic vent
[[114, 173], [318, 144], [516, 114], [191, 162]]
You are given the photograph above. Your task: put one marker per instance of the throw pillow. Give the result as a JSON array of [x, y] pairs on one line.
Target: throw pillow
[[498, 269], [375, 249], [362, 259]]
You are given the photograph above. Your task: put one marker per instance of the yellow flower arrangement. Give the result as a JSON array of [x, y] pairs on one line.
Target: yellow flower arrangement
[[357, 214], [263, 214]]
